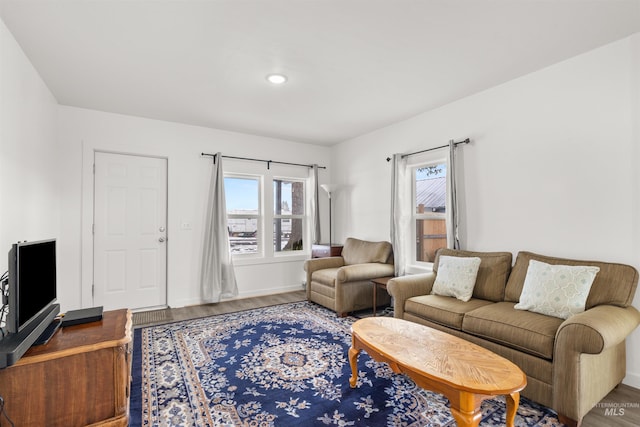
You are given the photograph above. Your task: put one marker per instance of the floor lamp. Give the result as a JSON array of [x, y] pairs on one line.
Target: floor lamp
[[329, 189]]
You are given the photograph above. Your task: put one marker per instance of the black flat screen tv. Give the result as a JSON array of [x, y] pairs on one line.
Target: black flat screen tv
[[32, 282]]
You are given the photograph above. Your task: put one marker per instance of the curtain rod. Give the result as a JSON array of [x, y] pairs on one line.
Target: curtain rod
[[268, 162], [464, 141]]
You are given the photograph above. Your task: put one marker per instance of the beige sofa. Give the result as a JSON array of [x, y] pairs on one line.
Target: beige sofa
[[570, 364], [343, 284]]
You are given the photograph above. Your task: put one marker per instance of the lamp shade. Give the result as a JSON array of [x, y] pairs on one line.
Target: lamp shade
[[329, 188]]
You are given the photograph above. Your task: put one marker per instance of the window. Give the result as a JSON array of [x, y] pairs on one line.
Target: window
[[430, 200], [288, 215], [243, 213], [266, 215]]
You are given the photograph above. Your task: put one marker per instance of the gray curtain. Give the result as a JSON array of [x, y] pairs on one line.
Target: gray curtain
[[453, 213], [400, 214], [315, 212], [218, 279]]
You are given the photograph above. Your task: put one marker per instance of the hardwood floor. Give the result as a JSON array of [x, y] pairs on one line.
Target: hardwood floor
[[620, 408]]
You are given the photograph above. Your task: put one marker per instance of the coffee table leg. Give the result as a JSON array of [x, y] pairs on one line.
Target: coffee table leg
[[353, 361], [513, 401], [467, 412]]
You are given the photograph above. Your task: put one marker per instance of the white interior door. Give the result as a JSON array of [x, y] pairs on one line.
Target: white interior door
[[129, 231]]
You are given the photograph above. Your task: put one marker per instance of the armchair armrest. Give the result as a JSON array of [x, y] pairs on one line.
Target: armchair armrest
[[367, 271], [596, 329], [316, 264], [405, 287]]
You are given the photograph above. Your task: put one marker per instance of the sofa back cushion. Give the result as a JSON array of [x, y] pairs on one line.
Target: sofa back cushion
[[357, 251], [615, 284], [492, 274]]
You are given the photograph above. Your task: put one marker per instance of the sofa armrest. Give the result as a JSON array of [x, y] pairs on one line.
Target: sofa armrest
[[596, 329], [405, 287], [589, 357], [366, 271]]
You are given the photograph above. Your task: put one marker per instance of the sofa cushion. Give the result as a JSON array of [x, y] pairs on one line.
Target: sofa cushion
[[556, 290], [615, 284], [325, 276], [446, 311], [526, 331], [357, 251], [456, 277], [492, 274]]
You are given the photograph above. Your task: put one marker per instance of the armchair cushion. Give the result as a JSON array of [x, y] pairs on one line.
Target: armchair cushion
[[366, 271], [357, 251], [325, 276]]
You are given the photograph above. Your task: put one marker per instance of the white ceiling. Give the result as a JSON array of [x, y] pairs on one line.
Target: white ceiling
[[353, 65]]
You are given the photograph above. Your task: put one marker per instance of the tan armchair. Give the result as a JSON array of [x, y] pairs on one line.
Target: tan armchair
[[343, 284]]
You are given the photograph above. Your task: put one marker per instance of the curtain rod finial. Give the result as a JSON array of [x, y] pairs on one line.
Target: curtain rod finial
[[388, 159]]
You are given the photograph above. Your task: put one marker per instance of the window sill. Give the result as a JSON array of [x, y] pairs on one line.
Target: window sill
[[419, 269], [256, 260]]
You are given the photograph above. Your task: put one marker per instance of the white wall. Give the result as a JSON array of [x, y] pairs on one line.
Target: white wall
[[81, 132], [552, 167], [29, 205]]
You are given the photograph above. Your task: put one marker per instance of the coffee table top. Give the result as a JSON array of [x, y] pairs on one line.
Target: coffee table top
[[440, 356]]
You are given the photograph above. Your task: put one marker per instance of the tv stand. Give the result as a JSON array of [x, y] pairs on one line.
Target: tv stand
[[80, 377]]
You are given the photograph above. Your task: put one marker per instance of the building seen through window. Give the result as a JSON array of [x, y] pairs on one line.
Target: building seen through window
[[430, 199]]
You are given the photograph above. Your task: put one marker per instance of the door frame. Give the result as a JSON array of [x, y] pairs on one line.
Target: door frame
[[87, 218]]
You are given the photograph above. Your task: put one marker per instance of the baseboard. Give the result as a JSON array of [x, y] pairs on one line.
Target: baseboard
[[262, 292], [632, 380], [241, 295]]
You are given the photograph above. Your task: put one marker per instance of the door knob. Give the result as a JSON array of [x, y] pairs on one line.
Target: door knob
[[162, 229], [161, 239]]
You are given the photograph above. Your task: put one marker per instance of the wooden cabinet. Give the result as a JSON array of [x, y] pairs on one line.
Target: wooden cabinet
[[80, 377], [323, 251]]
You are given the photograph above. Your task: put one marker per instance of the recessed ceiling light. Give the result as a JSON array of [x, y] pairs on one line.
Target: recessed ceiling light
[[277, 79]]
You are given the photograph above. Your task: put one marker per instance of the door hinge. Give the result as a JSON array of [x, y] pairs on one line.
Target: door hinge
[[93, 229], [94, 168], [93, 290]]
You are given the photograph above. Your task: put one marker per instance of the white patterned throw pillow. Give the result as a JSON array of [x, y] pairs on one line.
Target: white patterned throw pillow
[[556, 290], [456, 277]]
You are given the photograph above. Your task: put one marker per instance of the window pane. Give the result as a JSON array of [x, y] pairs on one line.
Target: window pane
[[431, 235], [288, 197], [430, 206], [243, 234], [242, 196], [287, 234], [243, 206], [431, 188]]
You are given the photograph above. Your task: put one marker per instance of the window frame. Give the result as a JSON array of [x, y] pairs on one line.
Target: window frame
[[265, 219]]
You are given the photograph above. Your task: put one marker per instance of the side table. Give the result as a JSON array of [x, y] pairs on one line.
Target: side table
[[324, 250], [380, 281]]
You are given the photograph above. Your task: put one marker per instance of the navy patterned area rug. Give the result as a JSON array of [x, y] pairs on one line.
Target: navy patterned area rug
[[281, 366]]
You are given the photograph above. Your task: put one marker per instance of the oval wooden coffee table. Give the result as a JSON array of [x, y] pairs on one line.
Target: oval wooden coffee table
[[463, 372]]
